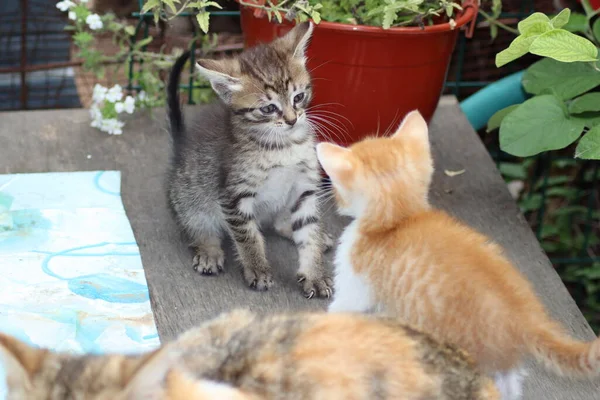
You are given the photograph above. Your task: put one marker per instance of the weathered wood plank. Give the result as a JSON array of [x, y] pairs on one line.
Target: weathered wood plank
[[61, 141]]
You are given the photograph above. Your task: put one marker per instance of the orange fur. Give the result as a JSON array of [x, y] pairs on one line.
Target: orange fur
[[432, 271]]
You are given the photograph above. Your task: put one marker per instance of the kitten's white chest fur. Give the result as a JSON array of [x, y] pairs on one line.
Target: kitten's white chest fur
[[353, 292]]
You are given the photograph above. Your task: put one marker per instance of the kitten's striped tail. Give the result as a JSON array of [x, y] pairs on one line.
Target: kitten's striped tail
[[173, 106], [562, 354]]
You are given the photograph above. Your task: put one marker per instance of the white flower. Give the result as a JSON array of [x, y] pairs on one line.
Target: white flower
[[65, 5], [72, 15], [452, 23], [119, 107], [142, 96], [129, 104], [94, 21], [115, 94], [99, 93], [112, 126], [83, 1]]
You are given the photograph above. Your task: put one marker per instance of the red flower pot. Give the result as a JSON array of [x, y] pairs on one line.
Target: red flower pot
[[366, 79]]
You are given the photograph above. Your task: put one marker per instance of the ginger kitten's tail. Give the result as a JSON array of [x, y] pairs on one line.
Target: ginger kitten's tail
[[562, 354], [173, 106]]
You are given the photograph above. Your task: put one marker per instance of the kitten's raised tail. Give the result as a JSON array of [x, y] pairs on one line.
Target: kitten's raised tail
[[562, 354], [173, 106]]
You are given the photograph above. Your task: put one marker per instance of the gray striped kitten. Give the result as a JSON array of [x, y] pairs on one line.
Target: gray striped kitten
[[248, 161]]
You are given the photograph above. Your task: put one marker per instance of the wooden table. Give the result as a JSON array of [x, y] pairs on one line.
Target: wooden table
[[42, 141]]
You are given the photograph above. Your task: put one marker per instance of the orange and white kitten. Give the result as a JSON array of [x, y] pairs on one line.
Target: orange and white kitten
[[424, 267]]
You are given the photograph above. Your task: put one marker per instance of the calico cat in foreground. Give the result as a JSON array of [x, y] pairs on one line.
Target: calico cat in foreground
[[240, 356], [248, 161], [422, 266]]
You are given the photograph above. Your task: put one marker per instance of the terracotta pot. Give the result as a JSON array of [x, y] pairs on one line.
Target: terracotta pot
[[366, 79]]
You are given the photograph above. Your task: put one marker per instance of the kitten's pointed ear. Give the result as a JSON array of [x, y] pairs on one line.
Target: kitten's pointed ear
[[19, 360], [296, 41], [220, 74], [335, 160], [182, 386], [413, 125], [144, 379]]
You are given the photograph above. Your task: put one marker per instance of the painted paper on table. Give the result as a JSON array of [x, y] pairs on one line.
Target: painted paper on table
[[71, 276]]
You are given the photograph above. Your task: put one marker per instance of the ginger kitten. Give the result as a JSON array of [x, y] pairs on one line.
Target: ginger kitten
[[432, 271], [241, 356]]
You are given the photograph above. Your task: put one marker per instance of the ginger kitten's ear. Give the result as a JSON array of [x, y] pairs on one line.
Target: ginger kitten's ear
[[413, 125], [183, 386], [335, 160], [220, 74], [296, 41], [20, 361]]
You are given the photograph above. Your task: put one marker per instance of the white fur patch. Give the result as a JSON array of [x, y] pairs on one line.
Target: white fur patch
[[246, 205], [510, 383], [353, 292], [217, 391]]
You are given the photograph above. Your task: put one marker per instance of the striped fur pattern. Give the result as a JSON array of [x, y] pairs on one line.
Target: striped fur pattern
[[241, 356], [248, 162], [432, 271]]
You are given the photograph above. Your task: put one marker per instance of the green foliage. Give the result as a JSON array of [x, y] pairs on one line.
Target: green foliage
[[564, 106]]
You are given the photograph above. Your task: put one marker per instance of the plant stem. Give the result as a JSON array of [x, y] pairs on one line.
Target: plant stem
[[498, 23]]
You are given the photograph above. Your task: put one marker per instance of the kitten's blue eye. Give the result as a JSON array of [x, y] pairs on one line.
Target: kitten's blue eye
[[298, 98], [270, 109]]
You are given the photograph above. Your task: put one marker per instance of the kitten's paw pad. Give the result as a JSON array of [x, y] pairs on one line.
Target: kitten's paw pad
[[258, 280], [321, 287], [328, 241], [209, 261]]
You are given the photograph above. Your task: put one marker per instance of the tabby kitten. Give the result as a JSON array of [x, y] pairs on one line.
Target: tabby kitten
[[248, 161], [430, 270], [243, 356]]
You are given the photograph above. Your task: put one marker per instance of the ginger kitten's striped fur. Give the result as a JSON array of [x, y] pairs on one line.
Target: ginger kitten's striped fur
[[240, 356], [428, 269]]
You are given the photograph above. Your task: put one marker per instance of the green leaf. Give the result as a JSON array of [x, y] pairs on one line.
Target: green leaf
[[590, 119], [577, 23], [83, 38], [203, 20], [565, 46], [567, 80], [171, 5], [316, 17], [588, 147], [130, 30], [496, 119], [531, 20], [278, 17], [150, 4], [142, 43], [596, 29], [389, 15], [513, 170], [518, 48], [539, 124], [561, 19], [587, 102], [530, 203]]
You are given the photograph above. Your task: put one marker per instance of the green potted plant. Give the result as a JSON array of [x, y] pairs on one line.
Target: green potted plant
[[564, 106], [372, 60]]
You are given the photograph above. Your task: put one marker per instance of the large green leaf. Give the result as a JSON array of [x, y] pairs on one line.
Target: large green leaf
[[585, 103], [539, 124], [561, 19], [565, 46], [567, 80], [589, 146], [596, 29], [496, 119]]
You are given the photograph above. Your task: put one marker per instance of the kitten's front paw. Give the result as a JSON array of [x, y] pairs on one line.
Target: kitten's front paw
[[320, 287], [208, 260], [258, 279]]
